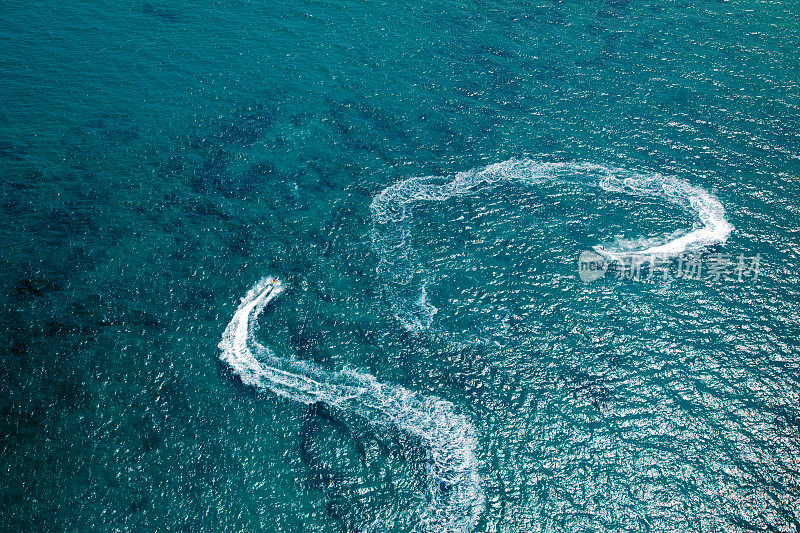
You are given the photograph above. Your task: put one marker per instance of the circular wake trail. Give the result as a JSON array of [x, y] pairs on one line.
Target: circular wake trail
[[454, 496], [393, 207]]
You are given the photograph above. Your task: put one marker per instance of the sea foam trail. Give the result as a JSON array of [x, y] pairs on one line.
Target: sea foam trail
[[405, 277], [454, 497]]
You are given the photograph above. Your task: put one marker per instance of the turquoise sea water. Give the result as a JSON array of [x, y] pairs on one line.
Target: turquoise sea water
[[160, 158]]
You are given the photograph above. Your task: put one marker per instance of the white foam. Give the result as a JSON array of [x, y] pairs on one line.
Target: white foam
[[392, 208], [454, 498]]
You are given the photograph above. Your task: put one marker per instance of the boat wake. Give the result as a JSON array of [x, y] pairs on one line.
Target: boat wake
[[454, 498], [405, 278]]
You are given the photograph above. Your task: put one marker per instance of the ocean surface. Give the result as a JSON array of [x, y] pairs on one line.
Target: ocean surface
[[322, 266]]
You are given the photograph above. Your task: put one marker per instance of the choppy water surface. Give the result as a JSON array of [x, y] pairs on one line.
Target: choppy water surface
[[422, 180]]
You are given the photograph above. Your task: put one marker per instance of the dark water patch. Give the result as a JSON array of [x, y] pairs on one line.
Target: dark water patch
[[648, 42], [127, 317], [306, 342], [204, 472], [151, 439], [172, 395], [356, 136], [73, 393], [412, 451], [176, 166], [324, 478], [116, 233], [257, 177], [681, 98], [613, 46], [96, 139], [497, 51], [140, 317], [548, 68], [261, 181], [341, 223], [608, 13], [366, 334], [57, 220], [35, 286], [201, 302], [13, 209], [595, 28], [361, 117], [202, 207], [297, 260], [162, 13], [300, 119], [320, 422], [171, 200], [139, 504], [245, 127], [790, 516], [239, 240], [32, 332], [21, 418], [16, 195], [459, 370], [362, 128], [445, 140], [84, 190], [66, 222], [40, 385], [337, 463], [787, 420], [11, 151], [494, 82], [75, 144], [84, 257], [232, 380], [618, 4], [593, 388], [88, 310], [318, 173], [115, 127], [69, 327], [212, 173], [123, 135], [17, 343]]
